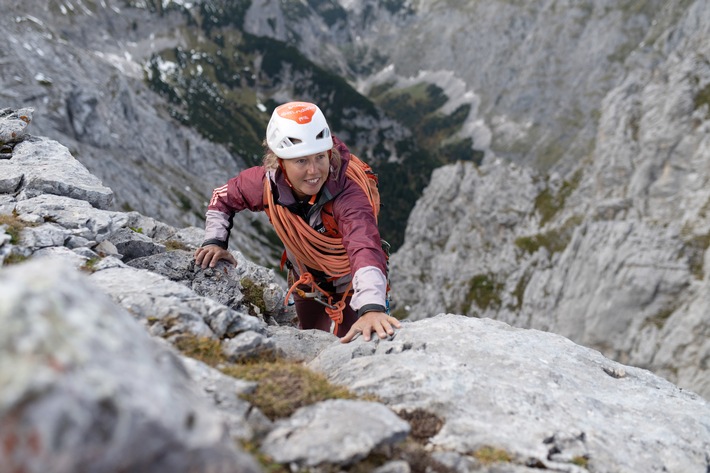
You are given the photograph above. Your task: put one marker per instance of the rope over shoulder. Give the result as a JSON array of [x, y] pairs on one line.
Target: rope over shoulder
[[314, 250], [310, 248]]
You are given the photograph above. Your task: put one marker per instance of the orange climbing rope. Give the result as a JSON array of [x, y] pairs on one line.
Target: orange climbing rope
[[314, 250]]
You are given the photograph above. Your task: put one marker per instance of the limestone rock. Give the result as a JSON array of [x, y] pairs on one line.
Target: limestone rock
[[336, 432], [84, 388], [46, 167], [535, 395]]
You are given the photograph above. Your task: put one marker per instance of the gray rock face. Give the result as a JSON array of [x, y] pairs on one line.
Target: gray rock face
[[300, 438], [243, 420], [536, 75], [612, 255], [81, 70], [46, 167], [170, 308], [84, 388], [77, 372], [535, 394], [13, 127], [247, 287]]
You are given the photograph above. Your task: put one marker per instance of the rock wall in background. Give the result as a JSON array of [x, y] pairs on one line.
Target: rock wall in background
[[613, 254], [96, 304]]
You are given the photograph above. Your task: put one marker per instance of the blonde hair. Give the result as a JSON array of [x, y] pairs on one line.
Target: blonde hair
[[271, 161]]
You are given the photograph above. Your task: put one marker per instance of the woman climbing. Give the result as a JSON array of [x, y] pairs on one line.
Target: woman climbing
[[319, 200]]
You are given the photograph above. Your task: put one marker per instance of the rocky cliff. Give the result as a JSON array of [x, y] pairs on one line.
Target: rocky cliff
[[613, 254], [117, 354]]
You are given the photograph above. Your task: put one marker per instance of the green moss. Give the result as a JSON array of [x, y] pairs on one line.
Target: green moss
[[702, 99], [253, 295], [488, 455], [548, 204], [90, 264], [519, 292], [284, 386], [14, 258], [136, 229], [13, 226], [555, 240], [207, 350], [581, 460], [484, 291], [659, 320], [694, 250]]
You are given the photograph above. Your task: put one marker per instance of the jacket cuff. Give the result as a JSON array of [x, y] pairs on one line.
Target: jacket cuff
[[220, 243], [370, 308]]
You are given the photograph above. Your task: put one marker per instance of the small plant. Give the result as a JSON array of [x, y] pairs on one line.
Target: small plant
[[90, 264], [695, 248], [581, 460], [253, 295], [174, 245], [548, 204], [484, 291], [702, 99], [137, 229], [555, 240], [285, 386], [207, 350], [14, 258], [282, 386], [488, 455], [13, 226]]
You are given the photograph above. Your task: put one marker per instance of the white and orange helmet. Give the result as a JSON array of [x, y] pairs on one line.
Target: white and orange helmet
[[298, 129]]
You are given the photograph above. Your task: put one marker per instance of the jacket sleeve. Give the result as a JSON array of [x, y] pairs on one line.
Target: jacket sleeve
[[361, 239], [244, 191]]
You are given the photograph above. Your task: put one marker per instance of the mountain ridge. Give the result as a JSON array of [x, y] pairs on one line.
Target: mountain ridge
[[118, 353]]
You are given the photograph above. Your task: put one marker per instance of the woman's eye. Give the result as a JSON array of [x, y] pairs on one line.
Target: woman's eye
[[301, 162]]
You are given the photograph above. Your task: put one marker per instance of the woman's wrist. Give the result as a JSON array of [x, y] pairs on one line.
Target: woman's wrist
[[370, 308]]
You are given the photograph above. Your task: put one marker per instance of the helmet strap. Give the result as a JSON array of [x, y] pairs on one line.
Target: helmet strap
[[283, 170]]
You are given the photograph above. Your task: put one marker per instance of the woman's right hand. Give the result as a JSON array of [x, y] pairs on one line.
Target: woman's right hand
[[209, 256]]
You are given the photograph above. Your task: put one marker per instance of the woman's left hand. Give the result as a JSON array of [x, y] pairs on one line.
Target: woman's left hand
[[378, 322]]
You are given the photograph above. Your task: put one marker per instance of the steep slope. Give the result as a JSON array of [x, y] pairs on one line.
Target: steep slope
[[97, 375], [537, 70], [80, 66], [612, 255], [128, 85]]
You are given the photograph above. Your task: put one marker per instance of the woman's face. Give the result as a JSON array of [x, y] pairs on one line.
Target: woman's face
[[307, 174]]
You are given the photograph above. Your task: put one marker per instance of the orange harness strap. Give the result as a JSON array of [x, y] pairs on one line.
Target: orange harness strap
[[314, 250]]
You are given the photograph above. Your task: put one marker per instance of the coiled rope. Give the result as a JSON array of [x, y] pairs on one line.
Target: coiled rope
[[314, 250]]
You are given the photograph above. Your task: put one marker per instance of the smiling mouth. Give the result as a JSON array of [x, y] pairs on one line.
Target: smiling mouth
[[312, 181]]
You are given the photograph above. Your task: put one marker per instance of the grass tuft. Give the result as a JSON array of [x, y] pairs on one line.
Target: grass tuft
[[282, 386], [13, 226], [488, 455]]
